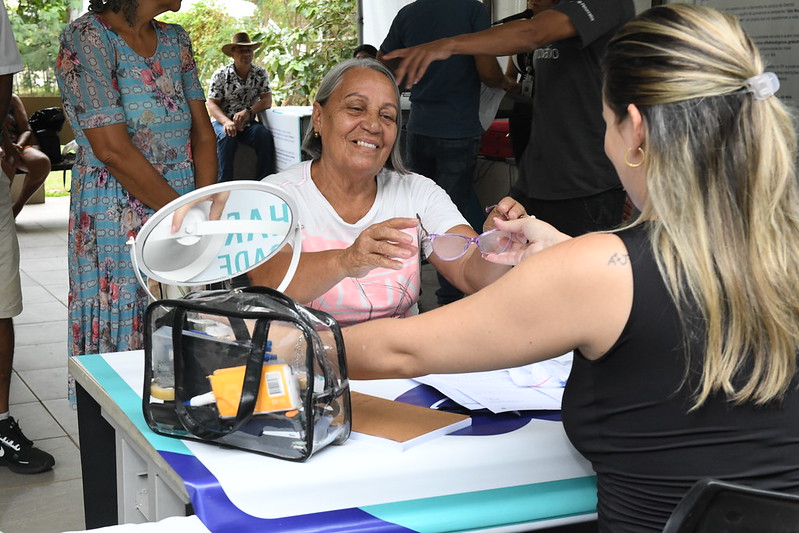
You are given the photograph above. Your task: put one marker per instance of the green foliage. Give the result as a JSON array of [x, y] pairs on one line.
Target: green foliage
[[37, 25], [300, 51], [30, 11], [55, 185], [209, 28], [302, 40]]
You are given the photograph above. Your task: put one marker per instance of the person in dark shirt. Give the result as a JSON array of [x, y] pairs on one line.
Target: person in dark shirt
[[684, 325], [365, 50], [564, 175], [520, 68], [444, 129]]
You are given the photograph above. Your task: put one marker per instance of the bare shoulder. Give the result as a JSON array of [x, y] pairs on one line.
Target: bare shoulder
[[582, 265], [598, 266], [591, 251], [588, 282], [602, 248]]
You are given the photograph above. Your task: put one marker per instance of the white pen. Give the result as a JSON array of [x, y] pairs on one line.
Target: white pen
[[202, 399]]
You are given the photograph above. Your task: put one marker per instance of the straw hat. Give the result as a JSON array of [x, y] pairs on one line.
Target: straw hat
[[239, 39]]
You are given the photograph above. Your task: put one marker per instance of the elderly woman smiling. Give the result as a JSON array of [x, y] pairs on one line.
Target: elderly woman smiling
[[359, 206]]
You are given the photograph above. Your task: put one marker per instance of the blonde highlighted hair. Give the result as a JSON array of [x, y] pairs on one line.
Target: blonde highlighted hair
[[723, 202]]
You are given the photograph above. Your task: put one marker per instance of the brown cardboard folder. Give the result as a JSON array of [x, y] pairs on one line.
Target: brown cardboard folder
[[400, 424]]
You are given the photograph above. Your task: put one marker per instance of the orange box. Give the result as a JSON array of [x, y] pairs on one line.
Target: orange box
[[278, 390]]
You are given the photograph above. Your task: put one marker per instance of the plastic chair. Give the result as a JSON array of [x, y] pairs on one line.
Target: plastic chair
[[713, 506]]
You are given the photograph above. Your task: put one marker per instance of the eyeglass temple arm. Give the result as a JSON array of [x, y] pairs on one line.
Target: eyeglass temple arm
[[425, 234]]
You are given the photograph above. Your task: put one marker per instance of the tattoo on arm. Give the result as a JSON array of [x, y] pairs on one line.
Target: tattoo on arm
[[620, 260]]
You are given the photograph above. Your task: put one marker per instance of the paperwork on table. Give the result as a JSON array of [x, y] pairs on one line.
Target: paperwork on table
[[531, 387]]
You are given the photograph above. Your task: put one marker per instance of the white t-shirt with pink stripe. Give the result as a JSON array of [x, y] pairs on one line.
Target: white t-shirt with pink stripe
[[382, 292]]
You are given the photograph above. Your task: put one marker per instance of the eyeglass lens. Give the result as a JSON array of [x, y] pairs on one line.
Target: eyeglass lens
[[450, 246], [494, 242]]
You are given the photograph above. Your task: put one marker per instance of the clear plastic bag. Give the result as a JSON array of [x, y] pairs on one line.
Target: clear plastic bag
[[249, 369]]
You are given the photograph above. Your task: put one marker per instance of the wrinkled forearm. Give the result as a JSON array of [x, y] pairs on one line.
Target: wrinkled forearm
[[317, 273]]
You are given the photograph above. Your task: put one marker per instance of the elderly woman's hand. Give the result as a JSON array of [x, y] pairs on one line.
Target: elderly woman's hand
[[382, 245], [530, 235], [506, 209]]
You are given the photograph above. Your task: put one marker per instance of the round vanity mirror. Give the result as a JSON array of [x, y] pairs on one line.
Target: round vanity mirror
[[209, 245]]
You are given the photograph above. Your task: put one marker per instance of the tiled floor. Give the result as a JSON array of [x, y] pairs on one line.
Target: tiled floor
[[51, 501]]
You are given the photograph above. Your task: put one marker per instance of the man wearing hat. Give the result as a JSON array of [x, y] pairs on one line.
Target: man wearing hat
[[239, 91]]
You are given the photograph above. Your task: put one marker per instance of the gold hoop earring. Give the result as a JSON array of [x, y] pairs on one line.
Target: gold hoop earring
[[627, 160]]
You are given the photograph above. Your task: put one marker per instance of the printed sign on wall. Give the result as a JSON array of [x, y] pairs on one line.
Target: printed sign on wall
[[774, 27]]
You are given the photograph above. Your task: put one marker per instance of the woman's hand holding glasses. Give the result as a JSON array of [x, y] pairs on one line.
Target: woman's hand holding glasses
[[529, 236], [381, 245]]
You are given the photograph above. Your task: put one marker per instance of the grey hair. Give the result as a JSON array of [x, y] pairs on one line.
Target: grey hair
[[312, 145], [128, 8]]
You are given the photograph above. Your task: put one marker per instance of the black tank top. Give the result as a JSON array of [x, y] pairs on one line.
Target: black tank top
[[628, 415]]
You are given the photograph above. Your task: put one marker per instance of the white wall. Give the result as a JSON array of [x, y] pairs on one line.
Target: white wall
[[377, 17]]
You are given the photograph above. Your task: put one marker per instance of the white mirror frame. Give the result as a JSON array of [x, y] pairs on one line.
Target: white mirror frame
[[293, 232]]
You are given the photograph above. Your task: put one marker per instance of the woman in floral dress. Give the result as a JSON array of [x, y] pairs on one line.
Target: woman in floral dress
[[130, 91]]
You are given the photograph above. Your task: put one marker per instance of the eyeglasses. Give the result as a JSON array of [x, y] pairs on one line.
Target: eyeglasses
[[452, 246]]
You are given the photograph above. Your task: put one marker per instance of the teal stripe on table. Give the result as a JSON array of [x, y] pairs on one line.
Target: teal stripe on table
[[472, 510], [130, 402]]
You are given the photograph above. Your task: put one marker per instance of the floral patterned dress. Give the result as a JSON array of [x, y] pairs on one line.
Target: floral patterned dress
[[103, 82]]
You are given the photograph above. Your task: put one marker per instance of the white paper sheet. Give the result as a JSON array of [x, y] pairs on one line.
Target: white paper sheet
[[490, 98], [531, 387]]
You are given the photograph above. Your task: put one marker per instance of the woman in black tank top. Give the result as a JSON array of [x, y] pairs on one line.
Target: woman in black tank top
[[685, 324]]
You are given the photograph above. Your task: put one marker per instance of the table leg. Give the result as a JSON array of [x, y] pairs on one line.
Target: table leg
[[98, 463]]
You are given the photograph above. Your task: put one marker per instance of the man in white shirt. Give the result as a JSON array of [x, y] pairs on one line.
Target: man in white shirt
[[16, 451]]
